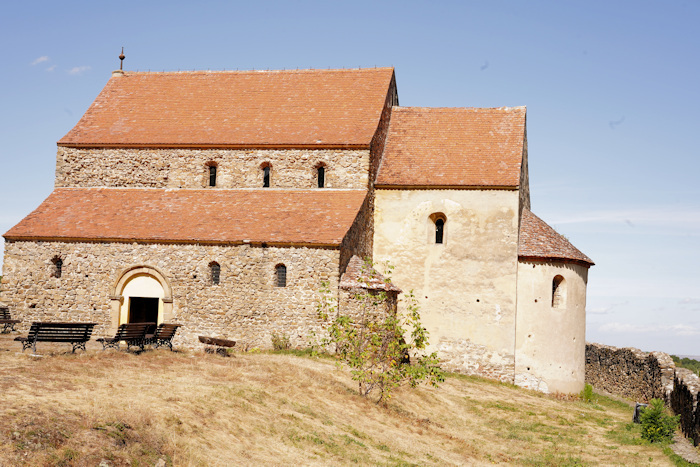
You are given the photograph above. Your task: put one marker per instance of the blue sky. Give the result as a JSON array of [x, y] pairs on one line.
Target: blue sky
[[611, 89]]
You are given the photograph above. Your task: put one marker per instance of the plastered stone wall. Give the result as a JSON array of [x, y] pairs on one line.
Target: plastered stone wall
[[246, 305], [466, 287], [629, 372], [550, 349], [187, 168]]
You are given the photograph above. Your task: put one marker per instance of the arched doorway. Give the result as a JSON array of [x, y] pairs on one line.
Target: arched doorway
[[141, 295]]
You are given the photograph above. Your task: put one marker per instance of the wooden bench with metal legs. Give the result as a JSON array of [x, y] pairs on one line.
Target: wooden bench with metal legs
[[7, 321], [76, 334], [163, 336], [134, 334]]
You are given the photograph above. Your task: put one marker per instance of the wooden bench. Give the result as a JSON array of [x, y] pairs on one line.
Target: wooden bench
[[76, 334], [219, 344], [7, 321], [163, 335], [134, 334]]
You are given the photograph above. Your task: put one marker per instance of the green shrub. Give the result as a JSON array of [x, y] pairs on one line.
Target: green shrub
[[586, 394], [657, 425], [280, 341]]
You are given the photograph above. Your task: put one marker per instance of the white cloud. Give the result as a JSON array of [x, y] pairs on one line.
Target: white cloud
[[690, 301], [659, 216], [51, 68], [607, 309], [78, 70], [666, 329], [43, 58]]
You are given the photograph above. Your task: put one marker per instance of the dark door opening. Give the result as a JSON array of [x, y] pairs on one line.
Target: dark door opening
[[143, 310]]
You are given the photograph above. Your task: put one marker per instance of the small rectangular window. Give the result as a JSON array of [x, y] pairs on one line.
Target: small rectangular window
[[266, 177], [321, 177], [212, 175], [281, 271]]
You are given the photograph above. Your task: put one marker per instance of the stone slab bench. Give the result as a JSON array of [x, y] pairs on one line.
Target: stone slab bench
[[220, 345]]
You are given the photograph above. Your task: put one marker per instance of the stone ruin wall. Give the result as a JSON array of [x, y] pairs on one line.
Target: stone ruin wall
[[629, 372], [187, 168], [641, 376], [684, 401], [246, 305]]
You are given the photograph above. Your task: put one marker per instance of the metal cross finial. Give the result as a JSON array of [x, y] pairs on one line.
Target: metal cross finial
[[121, 57]]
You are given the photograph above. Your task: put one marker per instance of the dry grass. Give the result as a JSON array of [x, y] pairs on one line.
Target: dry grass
[[201, 409]]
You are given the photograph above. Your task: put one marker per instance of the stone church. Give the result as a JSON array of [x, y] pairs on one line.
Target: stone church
[[223, 200]]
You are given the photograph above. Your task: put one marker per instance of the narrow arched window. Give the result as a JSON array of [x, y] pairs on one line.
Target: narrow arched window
[[215, 272], [439, 230], [281, 275], [266, 174], [212, 175], [321, 176], [439, 221], [558, 292], [57, 266]]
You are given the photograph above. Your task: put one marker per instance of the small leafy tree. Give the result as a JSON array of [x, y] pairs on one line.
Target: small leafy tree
[[382, 349], [657, 425]]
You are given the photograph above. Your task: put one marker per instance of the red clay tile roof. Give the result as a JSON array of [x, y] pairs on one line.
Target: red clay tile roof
[[359, 275], [453, 147], [236, 108], [320, 217], [539, 241]]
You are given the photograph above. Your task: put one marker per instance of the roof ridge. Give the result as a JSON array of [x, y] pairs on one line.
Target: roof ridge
[[254, 71], [446, 109]]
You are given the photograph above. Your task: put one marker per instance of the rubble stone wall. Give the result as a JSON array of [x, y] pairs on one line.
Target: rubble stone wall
[[629, 372], [246, 305], [641, 376], [189, 168], [684, 401]]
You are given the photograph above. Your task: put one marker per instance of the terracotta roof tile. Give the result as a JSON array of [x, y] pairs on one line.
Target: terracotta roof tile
[[237, 108], [453, 147], [539, 240], [359, 275], [265, 215]]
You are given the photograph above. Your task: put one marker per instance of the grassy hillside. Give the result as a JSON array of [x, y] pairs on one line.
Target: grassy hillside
[[253, 409]]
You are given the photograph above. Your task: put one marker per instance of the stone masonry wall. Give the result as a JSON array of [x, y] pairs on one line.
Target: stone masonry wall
[[379, 138], [246, 305], [641, 376], [684, 401], [358, 239], [187, 168], [629, 372], [467, 357]]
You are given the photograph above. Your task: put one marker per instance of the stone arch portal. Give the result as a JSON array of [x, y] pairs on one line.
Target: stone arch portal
[[139, 285]]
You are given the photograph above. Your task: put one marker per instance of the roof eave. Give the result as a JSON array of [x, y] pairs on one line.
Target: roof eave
[[257, 243], [362, 146], [446, 187], [556, 259]]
